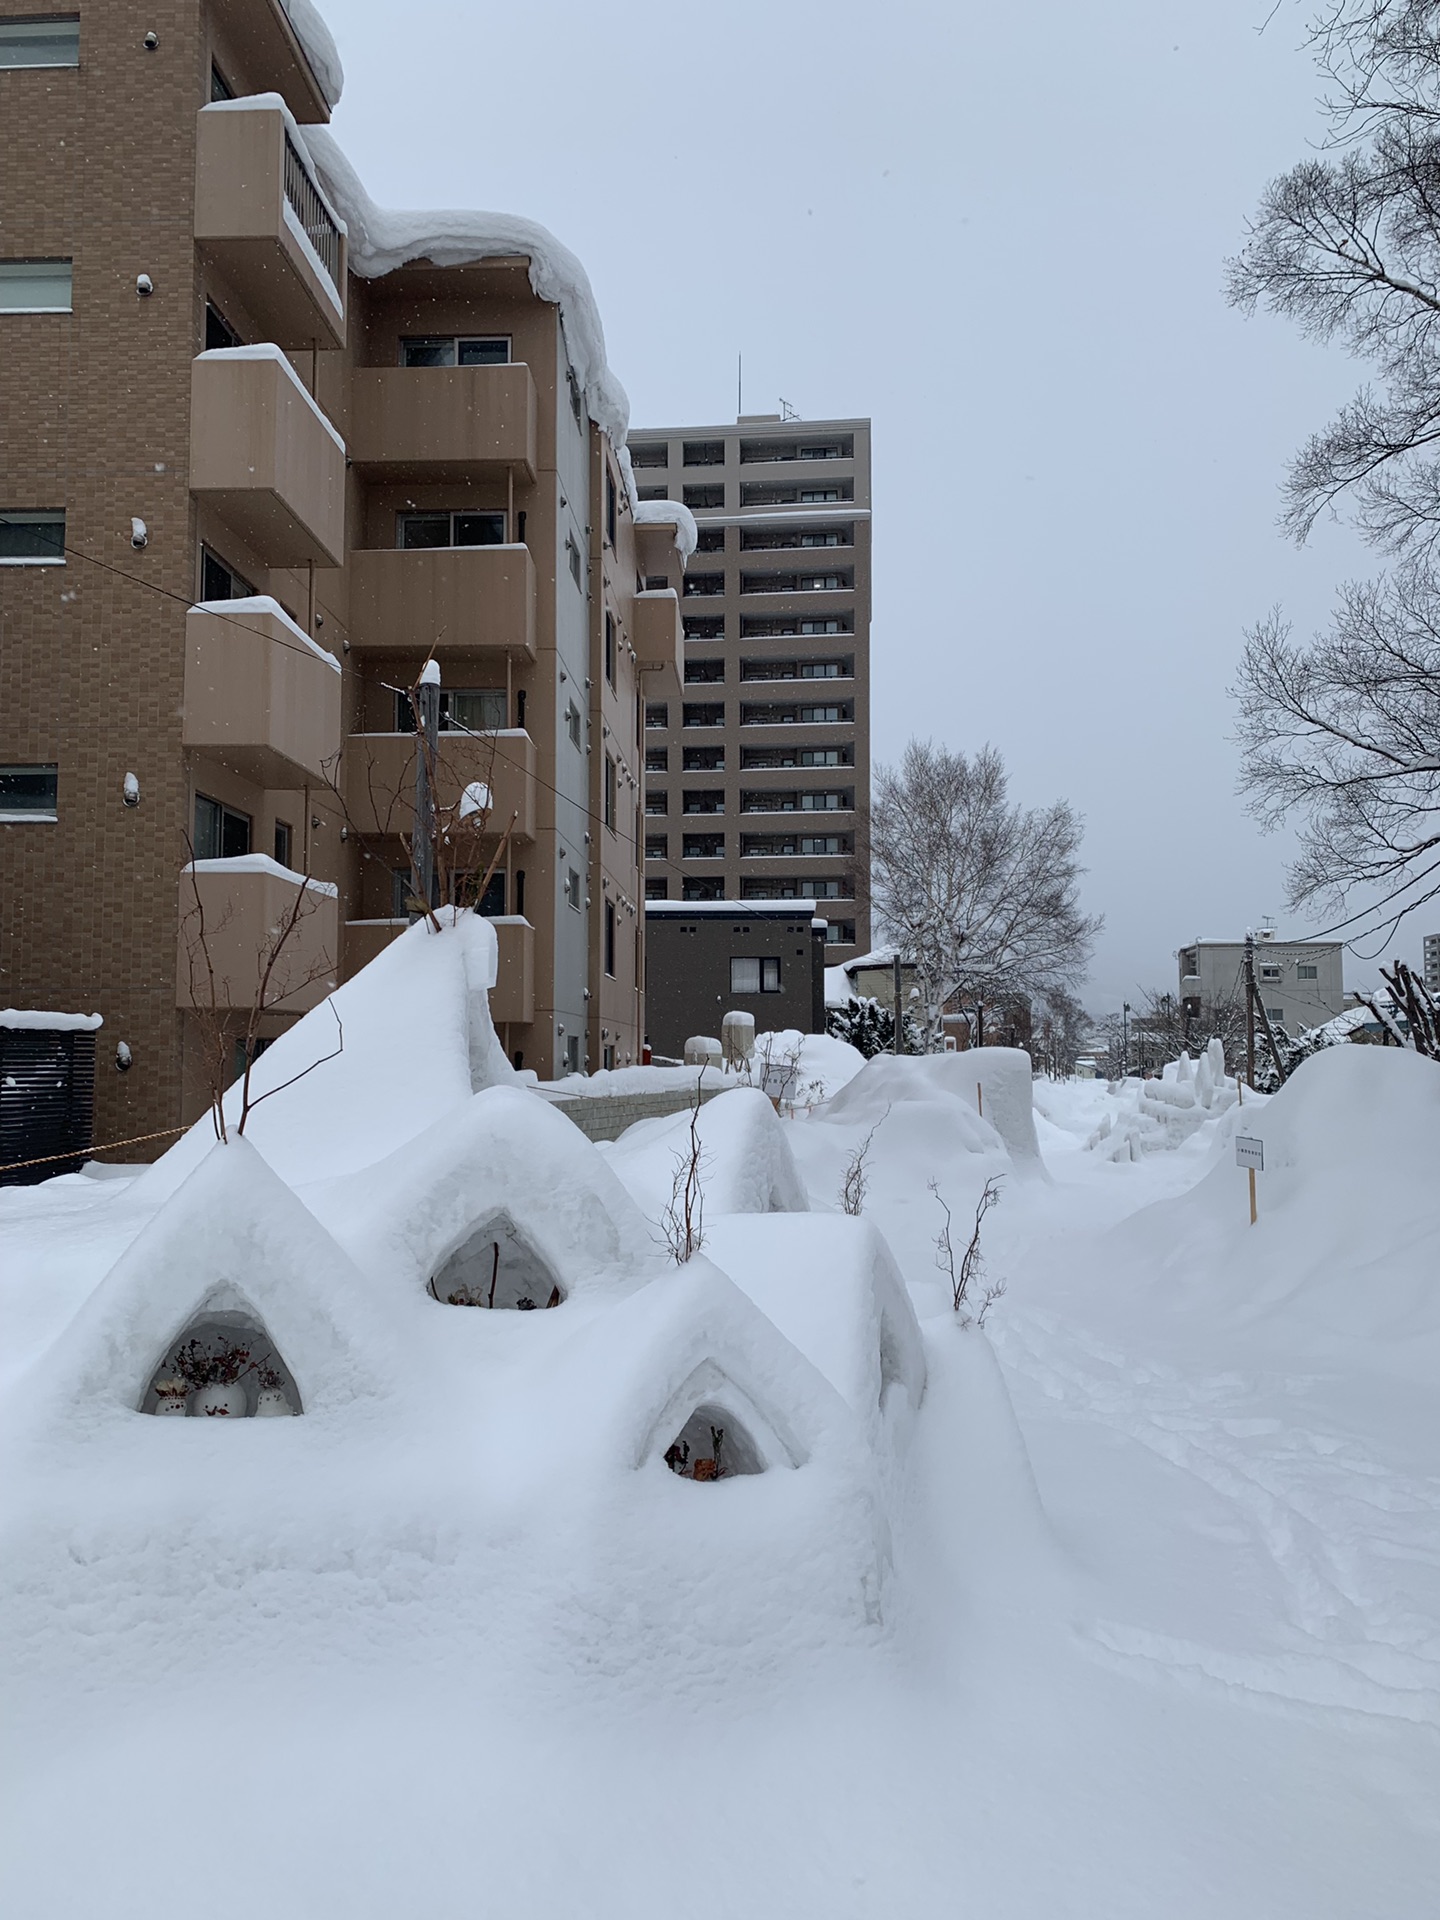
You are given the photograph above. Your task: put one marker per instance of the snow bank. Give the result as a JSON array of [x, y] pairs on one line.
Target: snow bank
[[992, 1084], [746, 1164], [415, 1040], [831, 1285], [505, 1160], [384, 239]]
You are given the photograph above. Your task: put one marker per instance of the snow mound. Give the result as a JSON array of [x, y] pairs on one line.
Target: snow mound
[[384, 239], [989, 1090], [506, 1172], [1157, 1116], [746, 1164], [415, 1040], [233, 1240], [803, 1069], [831, 1285]]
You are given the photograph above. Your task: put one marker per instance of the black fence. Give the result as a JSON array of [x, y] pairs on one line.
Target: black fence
[[47, 1102]]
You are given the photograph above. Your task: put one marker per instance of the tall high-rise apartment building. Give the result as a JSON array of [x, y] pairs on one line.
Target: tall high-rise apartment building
[[757, 781], [264, 450]]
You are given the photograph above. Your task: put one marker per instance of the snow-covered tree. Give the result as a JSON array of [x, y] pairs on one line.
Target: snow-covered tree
[[980, 893], [869, 1027]]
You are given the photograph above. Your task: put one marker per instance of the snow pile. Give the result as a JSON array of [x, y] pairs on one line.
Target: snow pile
[[985, 1096], [746, 1165], [669, 513], [803, 1069], [384, 239], [408, 1039], [1156, 1116], [318, 46]]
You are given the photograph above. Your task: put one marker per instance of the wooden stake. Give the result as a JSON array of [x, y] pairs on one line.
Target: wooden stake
[[1251, 1172], [979, 1100]]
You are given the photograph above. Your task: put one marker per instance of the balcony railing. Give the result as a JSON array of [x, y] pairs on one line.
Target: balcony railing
[[477, 599], [260, 697], [440, 423], [316, 220]]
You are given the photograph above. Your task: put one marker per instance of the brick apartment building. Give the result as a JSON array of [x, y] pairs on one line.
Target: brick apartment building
[[757, 782], [264, 450]]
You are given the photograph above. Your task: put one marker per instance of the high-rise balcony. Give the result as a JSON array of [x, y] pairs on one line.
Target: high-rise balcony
[[260, 696], [262, 219], [442, 423], [379, 779], [265, 458], [449, 599], [657, 632], [233, 915]]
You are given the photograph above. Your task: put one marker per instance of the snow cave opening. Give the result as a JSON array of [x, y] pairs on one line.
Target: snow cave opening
[[223, 1365], [496, 1265], [712, 1445]]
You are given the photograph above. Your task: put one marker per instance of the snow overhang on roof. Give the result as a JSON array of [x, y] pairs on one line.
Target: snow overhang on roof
[[318, 47], [669, 513], [384, 239]]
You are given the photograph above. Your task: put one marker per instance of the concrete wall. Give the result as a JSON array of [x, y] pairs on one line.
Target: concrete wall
[[607, 1116]]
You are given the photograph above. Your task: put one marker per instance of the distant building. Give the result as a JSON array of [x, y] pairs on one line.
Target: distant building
[[1301, 982], [705, 959], [1432, 962]]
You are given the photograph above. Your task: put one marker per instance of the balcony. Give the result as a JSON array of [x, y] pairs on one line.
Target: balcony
[[442, 423], [512, 998], [260, 697], [261, 219], [265, 458], [454, 599], [230, 911], [379, 779], [656, 631]]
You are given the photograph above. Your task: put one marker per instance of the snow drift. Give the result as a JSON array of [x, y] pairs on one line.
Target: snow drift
[[746, 1164]]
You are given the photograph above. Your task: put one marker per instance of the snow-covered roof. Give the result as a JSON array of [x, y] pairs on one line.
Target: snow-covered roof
[[754, 909], [838, 990], [384, 239], [318, 47], [669, 513], [23, 1018]]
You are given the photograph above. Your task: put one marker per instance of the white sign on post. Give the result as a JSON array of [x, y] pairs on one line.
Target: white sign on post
[[1250, 1153]]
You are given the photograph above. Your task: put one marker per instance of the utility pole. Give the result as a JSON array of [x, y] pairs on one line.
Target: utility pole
[[899, 1011], [427, 736], [1124, 1039], [1250, 1008]]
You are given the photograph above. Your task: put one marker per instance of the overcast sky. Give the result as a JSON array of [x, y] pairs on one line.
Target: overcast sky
[[999, 232]]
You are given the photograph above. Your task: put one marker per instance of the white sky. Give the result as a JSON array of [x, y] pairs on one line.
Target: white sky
[[1000, 232]]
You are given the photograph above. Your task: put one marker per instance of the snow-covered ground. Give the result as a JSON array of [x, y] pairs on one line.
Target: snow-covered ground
[[1137, 1615]]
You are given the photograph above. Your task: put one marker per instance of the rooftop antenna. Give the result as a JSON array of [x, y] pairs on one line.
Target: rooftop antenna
[[787, 412], [739, 385]]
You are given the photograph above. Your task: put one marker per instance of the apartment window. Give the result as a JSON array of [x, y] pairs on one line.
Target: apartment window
[[830, 802], [823, 843], [821, 582], [32, 539], [818, 496], [491, 904], [703, 890], [612, 507], [462, 710], [572, 554], [657, 760], [577, 398], [657, 715], [572, 723], [219, 580], [220, 87], [653, 493], [455, 350], [702, 583], [29, 793], [822, 716], [610, 648], [700, 673], [1303, 972], [704, 627], [703, 760], [704, 800], [822, 670], [840, 933], [611, 796], [703, 498], [703, 453], [459, 529], [821, 626], [827, 539], [752, 975], [1270, 973], [655, 583], [610, 937], [657, 801], [1277, 1016], [656, 454], [50, 42], [823, 757], [283, 841], [703, 846], [221, 832], [828, 889], [35, 286], [657, 889], [710, 539], [704, 716], [607, 1059], [218, 331], [572, 889], [657, 846], [572, 1053]]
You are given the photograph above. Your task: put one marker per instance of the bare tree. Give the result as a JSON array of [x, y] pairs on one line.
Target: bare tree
[[856, 1181], [972, 1264], [1346, 732], [980, 893], [683, 1221]]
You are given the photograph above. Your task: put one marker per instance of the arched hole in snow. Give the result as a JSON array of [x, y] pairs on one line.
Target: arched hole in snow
[[712, 1445], [223, 1366], [496, 1266]]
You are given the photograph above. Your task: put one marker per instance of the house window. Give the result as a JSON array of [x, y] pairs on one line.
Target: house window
[[610, 794], [572, 889], [51, 42], [572, 723], [32, 539], [219, 580], [610, 937], [1270, 973], [610, 648], [455, 350], [750, 975], [218, 331], [1303, 972], [29, 793], [657, 715], [450, 529], [221, 832], [283, 838], [1277, 1016], [657, 889], [840, 933], [35, 286]]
